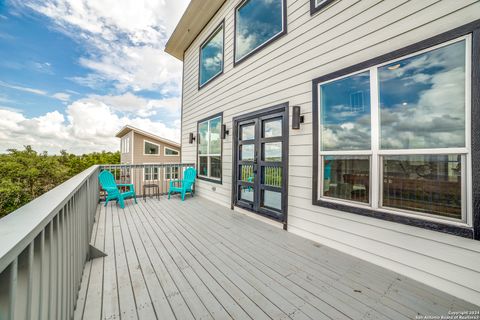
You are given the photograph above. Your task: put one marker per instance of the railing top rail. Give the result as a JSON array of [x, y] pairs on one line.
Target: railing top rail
[[20, 227], [141, 165]]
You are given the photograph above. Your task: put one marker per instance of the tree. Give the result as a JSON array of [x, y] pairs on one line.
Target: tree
[[27, 174]]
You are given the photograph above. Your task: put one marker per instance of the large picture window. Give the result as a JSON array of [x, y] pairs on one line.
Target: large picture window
[[257, 22], [210, 148], [395, 137], [211, 56]]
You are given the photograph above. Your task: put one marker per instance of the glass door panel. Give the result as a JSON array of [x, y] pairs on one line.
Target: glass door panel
[[261, 164]]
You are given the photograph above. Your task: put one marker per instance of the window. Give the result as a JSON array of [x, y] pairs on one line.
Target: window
[[210, 148], [171, 172], [125, 145], [170, 152], [257, 22], [211, 56], [151, 148], [151, 173], [317, 5], [394, 137]]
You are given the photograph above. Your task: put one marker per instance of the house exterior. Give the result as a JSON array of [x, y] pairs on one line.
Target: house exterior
[[351, 123], [141, 147], [144, 148]]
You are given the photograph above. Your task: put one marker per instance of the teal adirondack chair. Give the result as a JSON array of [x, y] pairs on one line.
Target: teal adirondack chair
[[107, 181], [183, 186]]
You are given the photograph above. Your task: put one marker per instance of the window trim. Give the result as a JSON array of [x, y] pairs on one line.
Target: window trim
[[171, 166], [208, 178], [263, 45], [152, 173], [470, 229], [314, 8], [150, 154], [170, 155], [211, 35]]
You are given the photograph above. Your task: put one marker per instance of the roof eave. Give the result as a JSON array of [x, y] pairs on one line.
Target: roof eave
[[194, 19]]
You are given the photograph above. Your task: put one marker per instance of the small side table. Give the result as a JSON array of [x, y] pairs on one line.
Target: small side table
[[151, 186]]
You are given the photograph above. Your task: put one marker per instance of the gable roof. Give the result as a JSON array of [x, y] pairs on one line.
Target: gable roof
[[194, 19], [126, 129]]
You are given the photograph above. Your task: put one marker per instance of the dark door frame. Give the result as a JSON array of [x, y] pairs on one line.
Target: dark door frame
[[280, 108]]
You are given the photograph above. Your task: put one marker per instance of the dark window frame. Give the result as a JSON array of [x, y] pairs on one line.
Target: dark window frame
[[217, 181], [473, 232], [262, 46], [221, 25], [314, 8], [278, 108]]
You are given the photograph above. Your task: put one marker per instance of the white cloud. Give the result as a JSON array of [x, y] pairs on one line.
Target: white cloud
[[24, 89], [123, 44], [62, 96], [89, 125], [130, 103], [124, 39]]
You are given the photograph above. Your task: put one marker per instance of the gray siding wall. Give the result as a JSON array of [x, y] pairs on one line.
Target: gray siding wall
[[343, 34]]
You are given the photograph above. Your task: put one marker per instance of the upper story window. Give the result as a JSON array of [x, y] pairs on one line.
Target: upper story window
[[210, 148], [395, 137], [317, 5], [170, 152], [257, 23], [211, 56], [125, 145], [151, 148]]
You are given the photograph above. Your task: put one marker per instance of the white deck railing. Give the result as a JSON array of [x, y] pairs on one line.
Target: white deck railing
[[44, 245], [43, 248]]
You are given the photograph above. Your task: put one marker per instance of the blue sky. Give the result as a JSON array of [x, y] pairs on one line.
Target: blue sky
[[73, 72]]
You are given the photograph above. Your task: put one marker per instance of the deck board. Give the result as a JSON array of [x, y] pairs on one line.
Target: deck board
[[169, 259]]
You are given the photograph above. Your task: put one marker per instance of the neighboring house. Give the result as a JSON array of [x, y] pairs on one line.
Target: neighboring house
[[141, 147], [385, 165]]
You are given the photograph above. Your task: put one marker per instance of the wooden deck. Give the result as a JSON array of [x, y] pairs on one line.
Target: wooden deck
[[169, 259]]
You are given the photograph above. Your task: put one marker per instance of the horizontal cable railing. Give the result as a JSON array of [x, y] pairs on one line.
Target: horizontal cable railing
[[43, 249], [148, 179]]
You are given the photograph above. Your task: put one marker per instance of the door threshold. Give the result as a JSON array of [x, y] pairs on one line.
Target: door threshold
[[259, 217]]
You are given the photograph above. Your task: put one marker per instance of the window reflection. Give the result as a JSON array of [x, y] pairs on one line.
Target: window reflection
[[215, 128], [422, 100], [347, 177], [272, 128], [272, 151], [424, 183], [257, 21], [203, 134], [211, 57], [345, 113], [248, 132]]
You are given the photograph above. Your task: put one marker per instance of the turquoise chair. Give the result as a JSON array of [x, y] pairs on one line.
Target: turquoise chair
[[107, 181], [185, 185]]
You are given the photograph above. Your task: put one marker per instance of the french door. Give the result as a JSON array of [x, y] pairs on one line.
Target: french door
[[260, 163]]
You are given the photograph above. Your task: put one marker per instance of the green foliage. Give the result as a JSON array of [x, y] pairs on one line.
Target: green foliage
[[27, 174]]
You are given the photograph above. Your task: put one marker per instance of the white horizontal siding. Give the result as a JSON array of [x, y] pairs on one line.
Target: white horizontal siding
[[345, 33]]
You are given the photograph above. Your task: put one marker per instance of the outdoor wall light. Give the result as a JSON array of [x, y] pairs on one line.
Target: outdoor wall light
[[297, 118], [191, 138], [224, 132]]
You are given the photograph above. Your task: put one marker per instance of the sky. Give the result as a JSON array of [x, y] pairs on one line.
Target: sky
[[73, 72]]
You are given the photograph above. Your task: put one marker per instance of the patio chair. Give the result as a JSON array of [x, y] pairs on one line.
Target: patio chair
[[107, 181], [183, 186]]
